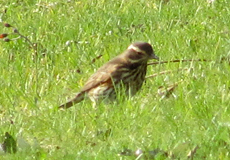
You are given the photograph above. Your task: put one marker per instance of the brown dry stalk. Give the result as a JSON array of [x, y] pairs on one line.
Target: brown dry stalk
[[167, 91], [192, 152], [16, 31], [178, 60]]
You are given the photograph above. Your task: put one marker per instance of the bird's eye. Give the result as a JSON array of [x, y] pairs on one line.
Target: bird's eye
[[140, 53]]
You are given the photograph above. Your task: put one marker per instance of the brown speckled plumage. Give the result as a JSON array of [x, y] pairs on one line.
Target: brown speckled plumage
[[126, 70]]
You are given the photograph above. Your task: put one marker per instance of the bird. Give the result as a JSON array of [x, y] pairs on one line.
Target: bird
[[124, 72]]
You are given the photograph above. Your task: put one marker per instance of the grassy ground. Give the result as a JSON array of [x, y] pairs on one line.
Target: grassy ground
[[70, 34]]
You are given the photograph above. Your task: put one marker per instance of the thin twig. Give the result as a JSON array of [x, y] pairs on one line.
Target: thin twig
[[27, 39], [165, 92], [178, 60], [16, 31]]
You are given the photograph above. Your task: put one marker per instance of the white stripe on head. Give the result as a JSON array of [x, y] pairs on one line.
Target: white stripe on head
[[135, 48]]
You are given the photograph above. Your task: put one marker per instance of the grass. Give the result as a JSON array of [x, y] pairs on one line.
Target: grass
[[33, 86]]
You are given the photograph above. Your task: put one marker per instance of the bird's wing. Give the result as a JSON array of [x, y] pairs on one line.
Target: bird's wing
[[106, 74]]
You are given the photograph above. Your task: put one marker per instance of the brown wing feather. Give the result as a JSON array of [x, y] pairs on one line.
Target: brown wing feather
[[105, 74]]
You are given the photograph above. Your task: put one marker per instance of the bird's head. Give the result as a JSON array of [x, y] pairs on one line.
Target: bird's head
[[140, 51]]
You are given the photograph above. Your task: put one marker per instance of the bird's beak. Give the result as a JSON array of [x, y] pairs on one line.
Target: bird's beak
[[153, 56]]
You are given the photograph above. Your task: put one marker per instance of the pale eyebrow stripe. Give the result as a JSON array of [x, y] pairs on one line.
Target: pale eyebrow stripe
[[135, 48]]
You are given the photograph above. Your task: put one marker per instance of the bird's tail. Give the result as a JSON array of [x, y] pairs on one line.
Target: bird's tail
[[78, 98]]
